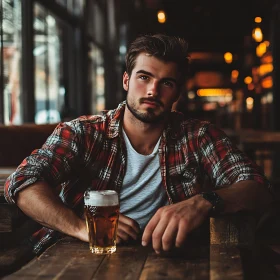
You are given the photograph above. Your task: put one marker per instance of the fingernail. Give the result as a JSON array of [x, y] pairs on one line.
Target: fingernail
[[144, 243], [157, 252]]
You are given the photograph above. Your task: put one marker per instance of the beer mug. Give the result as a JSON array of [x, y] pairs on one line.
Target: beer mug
[[102, 215]]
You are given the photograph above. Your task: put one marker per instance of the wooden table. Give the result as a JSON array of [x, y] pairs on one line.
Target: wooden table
[[71, 259]]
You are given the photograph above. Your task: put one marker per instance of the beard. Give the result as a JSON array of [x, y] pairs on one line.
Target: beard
[[146, 117]]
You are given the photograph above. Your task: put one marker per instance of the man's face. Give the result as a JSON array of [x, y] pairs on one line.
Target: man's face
[[152, 88]]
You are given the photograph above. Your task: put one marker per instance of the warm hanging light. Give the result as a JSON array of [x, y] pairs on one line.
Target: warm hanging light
[[161, 16], [267, 82], [234, 76], [214, 92], [265, 69], [228, 57], [248, 80], [257, 34], [261, 49], [250, 86], [249, 103], [258, 19]]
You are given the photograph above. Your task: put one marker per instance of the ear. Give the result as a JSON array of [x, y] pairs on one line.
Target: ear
[[125, 81]]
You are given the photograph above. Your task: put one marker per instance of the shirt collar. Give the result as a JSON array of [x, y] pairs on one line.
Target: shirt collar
[[115, 118]]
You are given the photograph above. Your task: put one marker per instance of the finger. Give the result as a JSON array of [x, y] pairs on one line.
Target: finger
[[127, 228], [169, 236], [158, 234], [182, 234], [123, 235], [149, 229], [129, 222]]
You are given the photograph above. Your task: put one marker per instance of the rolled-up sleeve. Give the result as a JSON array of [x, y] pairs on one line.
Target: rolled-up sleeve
[[51, 163], [224, 162]]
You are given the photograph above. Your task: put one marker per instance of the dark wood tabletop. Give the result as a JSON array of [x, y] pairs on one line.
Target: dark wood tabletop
[[72, 259]]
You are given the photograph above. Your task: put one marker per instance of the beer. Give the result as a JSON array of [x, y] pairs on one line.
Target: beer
[[102, 214]]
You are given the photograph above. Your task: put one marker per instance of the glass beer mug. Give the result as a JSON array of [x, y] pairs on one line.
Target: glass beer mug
[[102, 215]]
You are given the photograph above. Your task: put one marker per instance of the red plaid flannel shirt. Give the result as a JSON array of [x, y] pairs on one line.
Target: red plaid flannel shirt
[[90, 151]]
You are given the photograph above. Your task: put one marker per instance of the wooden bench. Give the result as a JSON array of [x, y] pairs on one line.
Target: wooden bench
[[264, 148], [16, 143]]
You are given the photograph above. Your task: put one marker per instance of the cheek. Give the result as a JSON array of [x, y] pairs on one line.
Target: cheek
[[138, 88]]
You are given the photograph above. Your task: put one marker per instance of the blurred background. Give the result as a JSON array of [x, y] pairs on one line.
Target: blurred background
[[65, 58]]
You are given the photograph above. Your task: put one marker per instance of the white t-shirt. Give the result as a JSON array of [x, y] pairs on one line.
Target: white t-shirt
[[142, 192]]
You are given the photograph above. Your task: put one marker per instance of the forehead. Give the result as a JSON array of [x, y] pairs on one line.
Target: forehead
[[155, 66]]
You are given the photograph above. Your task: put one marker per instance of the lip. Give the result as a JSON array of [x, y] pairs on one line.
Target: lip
[[151, 103]]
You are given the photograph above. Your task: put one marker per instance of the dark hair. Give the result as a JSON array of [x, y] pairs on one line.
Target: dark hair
[[163, 47]]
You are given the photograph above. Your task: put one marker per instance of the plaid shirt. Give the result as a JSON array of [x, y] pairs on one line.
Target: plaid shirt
[[90, 152]]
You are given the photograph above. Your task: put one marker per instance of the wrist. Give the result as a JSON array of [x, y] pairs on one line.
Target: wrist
[[203, 205], [80, 230], [215, 201]]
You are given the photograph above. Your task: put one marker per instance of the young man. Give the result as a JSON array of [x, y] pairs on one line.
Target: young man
[[154, 158]]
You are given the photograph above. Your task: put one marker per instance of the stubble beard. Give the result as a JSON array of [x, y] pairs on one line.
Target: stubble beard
[[147, 117]]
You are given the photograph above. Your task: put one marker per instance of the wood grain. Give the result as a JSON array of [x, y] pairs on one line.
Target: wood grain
[[225, 263], [126, 263], [64, 260], [72, 259], [162, 267], [12, 259], [233, 229]]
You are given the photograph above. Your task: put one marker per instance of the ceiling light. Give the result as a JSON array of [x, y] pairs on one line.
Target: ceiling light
[[161, 17], [228, 57]]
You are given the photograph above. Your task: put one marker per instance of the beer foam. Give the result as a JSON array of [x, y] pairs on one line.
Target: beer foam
[[101, 198]]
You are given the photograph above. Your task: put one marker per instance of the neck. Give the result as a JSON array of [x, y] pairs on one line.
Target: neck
[[143, 136]]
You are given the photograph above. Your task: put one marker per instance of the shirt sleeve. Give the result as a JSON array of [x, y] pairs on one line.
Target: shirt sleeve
[[52, 163], [224, 162]]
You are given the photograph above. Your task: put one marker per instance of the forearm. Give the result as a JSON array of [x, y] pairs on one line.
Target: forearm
[[245, 195], [39, 202]]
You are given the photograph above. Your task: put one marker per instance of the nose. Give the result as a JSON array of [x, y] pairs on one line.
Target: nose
[[153, 89]]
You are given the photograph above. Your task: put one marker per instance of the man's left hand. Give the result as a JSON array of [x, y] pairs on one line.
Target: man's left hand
[[171, 224]]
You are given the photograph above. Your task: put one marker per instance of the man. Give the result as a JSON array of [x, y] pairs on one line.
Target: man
[[154, 158]]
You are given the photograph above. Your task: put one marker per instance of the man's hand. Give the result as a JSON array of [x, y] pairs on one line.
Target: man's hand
[[171, 224], [127, 229]]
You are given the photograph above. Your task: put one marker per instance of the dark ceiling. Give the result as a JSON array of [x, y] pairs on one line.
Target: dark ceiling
[[214, 26]]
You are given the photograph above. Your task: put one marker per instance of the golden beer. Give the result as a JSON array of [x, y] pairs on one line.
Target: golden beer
[[102, 214]]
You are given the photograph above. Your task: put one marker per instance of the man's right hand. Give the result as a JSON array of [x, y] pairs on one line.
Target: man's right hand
[[127, 229]]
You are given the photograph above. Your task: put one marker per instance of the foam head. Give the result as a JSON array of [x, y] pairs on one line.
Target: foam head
[[101, 198]]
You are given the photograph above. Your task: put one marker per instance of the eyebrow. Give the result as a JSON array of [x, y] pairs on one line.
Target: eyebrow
[[152, 75]]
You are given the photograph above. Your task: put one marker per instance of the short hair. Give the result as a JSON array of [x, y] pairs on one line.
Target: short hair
[[163, 47]]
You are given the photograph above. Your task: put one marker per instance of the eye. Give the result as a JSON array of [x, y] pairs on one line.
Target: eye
[[168, 83], [143, 77]]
